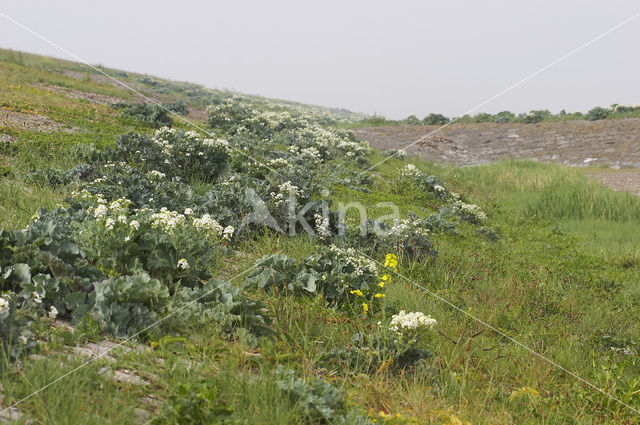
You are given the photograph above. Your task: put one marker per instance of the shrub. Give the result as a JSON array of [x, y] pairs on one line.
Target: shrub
[[504, 117], [177, 107], [412, 120], [435, 119], [317, 399], [597, 113], [536, 116], [153, 116], [341, 276]]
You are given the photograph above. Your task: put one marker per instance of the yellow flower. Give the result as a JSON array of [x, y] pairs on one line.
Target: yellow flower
[[524, 392], [391, 261], [379, 295], [357, 292], [365, 308], [381, 284]]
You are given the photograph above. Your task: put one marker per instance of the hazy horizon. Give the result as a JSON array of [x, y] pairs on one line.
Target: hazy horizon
[[412, 58]]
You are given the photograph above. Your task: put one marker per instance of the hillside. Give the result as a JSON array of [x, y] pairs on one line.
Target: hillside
[[257, 265]]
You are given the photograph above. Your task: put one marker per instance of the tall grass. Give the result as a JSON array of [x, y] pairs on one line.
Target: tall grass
[[546, 191], [581, 199]]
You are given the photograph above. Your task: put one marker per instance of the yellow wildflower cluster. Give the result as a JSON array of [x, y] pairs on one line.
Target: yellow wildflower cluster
[[371, 295], [391, 261], [524, 393]]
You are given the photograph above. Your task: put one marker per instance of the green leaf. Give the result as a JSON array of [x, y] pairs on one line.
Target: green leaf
[[22, 272], [308, 282]]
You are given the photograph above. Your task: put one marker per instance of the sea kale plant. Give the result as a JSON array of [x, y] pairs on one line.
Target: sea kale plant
[[342, 276]]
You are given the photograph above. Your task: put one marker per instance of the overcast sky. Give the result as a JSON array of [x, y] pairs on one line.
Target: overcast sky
[[394, 58]]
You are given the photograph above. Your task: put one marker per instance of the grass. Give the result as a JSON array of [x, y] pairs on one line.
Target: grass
[[562, 279]]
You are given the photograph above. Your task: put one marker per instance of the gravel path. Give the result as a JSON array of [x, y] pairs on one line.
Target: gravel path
[[627, 180]]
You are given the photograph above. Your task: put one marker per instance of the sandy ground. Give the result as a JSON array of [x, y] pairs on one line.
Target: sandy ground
[[99, 99], [33, 122]]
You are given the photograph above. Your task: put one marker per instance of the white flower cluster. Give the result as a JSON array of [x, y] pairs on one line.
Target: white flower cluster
[[167, 220], [462, 208], [407, 227], [278, 163], [4, 305], [215, 143], [164, 137], [306, 154], [53, 313], [118, 208], [207, 224], [322, 226], [330, 139], [286, 188], [410, 321], [227, 233], [289, 187], [439, 189], [359, 263], [410, 171], [183, 264], [100, 211], [156, 174]]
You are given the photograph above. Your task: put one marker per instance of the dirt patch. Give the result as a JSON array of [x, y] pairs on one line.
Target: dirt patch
[[99, 99], [615, 143], [197, 114], [100, 79], [627, 180], [31, 122]]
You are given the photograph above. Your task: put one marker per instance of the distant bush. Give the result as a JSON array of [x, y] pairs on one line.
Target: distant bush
[[412, 120], [536, 116], [504, 116], [435, 119], [597, 113]]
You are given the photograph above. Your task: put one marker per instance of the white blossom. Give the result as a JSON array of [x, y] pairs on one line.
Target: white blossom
[[227, 233], [4, 305], [53, 313], [183, 264], [100, 211], [207, 223], [167, 220], [409, 321], [156, 174]]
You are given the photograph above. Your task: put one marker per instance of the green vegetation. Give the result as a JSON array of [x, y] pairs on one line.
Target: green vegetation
[[262, 326], [615, 111]]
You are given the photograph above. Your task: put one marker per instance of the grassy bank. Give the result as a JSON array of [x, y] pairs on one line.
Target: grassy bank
[[561, 278]]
